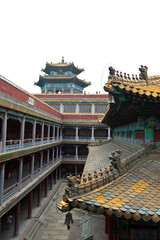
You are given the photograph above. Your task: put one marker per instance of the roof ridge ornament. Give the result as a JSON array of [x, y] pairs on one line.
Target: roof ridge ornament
[[143, 72], [62, 59], [112, 71]]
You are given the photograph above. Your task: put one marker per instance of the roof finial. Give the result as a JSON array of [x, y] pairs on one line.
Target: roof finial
[[62, 59]]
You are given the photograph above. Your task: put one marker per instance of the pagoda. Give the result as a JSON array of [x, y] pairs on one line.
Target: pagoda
[[61, 78]]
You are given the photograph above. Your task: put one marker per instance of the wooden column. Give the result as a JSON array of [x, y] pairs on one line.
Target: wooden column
[[4, 132], [22, 132], [16, 223], [110, 228], [92, 137], [59, 173], [30, 204], [41, 162], [77, 152], [51, 180], [55, 177], [20, 173], [115, 230], [53, 132], [48, 137], [57, 148], [109, 133], [75, 167], [47, 158], [39, 195], [53, 155], [106, 223], [34, 132], [46, 186], [32, 167], [42, 132], [2, 175]]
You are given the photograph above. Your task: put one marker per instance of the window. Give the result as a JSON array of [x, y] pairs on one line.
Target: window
[[100, 108], [85, 108], [69, 108], [55, 105]]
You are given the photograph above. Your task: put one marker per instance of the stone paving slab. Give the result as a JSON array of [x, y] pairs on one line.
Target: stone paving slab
[[84, 225]]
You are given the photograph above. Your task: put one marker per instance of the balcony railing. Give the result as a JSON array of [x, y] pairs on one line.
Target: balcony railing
[[74, 158], [14, 188], [10, 191], [16, 144]]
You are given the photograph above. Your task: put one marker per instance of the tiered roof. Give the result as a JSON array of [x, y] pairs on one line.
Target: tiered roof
[[60, 68], [61, 79], [66, 67]]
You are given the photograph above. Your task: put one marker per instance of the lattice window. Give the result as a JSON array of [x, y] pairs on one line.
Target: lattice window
[[100, 108], [55, 105], [85, 108], [69, 108]]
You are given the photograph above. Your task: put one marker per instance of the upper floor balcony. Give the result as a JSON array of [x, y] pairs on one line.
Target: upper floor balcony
[[17, 133]]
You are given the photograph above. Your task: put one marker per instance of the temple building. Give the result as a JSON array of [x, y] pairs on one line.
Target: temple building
[[61, 78], [123, 182], [43, 138]]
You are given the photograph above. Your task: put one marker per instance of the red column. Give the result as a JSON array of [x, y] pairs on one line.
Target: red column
[[16, 222], [46, 186], [110, 228], [51, 180], [59, 173], [30, 204], [106, 223], [115, 234], [55, 177], [39, 195], [75, 168]]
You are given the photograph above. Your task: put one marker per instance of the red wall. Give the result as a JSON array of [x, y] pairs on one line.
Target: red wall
[[14, 91]]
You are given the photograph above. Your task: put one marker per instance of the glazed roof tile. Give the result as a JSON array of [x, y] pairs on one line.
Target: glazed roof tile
[[146, 199], [135, 194], [144, 88]]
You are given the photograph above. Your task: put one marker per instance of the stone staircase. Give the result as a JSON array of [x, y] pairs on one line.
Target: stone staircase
[[32, 232]]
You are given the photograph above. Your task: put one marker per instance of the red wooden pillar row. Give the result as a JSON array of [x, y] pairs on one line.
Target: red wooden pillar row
[[39, 195], [51, 180], [110, 228], [106, 223], [30, 204], [16, 223], [115, 236], [46, 187]]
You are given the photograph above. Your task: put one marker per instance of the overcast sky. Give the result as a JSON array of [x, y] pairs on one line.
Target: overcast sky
[[92, 34]]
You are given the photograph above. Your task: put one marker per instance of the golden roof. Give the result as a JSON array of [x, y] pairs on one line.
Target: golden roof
[[149, 88], [135, 194]]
